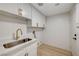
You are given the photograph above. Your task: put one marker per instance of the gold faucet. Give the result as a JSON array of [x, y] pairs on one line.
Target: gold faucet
[[17, 37]]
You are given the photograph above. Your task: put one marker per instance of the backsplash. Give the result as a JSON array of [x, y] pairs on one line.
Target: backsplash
[[8, 27]]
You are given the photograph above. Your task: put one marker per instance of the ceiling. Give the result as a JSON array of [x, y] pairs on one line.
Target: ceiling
[[49, 9]]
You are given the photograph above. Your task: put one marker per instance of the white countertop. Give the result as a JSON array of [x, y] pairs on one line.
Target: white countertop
[[4, 51]]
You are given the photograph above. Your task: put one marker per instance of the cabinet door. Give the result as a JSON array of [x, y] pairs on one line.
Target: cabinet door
[[14, 7], [32, 49], [26, 9], [37, 18], [34, 17], [9, 7], [42, 21], [21, 53]]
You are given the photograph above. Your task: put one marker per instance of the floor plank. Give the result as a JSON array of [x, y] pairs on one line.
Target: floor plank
[[46, 50]]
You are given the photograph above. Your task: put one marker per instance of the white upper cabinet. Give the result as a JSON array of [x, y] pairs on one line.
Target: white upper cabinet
[[26, 9], [14, 7], [9, 7], [38, 20]]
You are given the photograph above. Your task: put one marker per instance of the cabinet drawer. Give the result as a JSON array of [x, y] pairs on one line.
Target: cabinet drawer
[[21, 53]]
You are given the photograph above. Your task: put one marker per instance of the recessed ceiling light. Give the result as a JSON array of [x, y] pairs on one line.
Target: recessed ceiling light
[[40, 4], [57, 4]]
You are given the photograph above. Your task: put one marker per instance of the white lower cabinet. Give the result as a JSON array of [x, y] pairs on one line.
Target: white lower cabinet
[[30, 50], [21, 53]]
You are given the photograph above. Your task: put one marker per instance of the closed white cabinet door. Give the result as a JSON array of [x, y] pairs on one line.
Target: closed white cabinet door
[[32, 50], [14, 8], [9, 7], [26, 9], [34, 17], [22, 52], [37, 18]]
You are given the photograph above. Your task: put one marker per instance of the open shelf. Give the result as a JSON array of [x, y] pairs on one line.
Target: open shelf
[[36, 27], [29, 21], [30, 29], [5, 13]]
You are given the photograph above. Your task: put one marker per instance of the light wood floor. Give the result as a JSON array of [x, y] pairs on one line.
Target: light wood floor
[[46, 50]]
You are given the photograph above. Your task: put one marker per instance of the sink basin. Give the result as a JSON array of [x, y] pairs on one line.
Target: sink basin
[[12, 44]]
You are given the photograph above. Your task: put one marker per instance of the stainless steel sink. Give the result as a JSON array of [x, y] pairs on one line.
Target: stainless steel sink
[[12, 44]]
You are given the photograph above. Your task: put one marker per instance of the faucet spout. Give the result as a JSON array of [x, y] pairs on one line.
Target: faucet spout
[[17, 36]]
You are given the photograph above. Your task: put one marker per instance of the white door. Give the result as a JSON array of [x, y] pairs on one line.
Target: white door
[[74, 41], [75, 18], [77, 41]]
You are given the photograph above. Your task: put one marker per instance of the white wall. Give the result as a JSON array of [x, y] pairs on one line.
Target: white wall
[[57, 32], [8, 27]]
